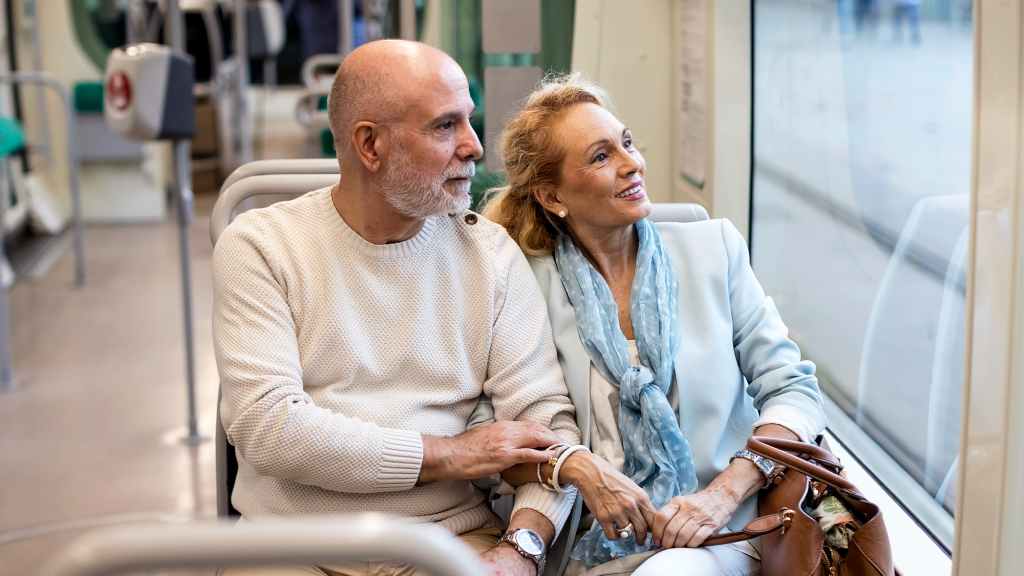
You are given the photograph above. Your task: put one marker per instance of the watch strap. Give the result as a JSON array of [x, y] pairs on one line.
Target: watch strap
[[539, 559], [766, 466]]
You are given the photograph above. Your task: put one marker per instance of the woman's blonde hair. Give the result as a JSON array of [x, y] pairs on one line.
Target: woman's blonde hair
[[533, 158]]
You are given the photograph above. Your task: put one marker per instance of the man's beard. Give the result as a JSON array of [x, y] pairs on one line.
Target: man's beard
[[418, 195]]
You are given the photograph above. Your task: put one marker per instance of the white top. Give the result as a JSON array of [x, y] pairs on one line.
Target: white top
[[605, 437], [336, 354]]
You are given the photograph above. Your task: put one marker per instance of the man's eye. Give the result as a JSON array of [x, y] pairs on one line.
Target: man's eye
[[447, 125]]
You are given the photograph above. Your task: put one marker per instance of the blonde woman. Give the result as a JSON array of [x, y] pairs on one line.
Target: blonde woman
[[670, 349]]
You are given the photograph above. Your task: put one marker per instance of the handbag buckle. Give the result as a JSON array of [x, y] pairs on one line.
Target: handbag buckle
[[787, 519]]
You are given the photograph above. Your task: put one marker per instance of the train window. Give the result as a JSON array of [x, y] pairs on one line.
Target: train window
[[860, 202]]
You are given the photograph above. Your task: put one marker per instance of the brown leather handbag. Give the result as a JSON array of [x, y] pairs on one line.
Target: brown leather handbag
[[792, 543]]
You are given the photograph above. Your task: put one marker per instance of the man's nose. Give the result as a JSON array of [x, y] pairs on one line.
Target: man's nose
[[470, 148]]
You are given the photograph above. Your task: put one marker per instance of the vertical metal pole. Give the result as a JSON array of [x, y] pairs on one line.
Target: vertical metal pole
[[242, 84], [240, 110], [43, 147], [407, 19], [269, 85], [74, 166], [7, 380], [176, 26], [346, 15], [183, 182]]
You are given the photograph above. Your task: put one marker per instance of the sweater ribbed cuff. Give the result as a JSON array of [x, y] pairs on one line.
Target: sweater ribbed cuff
[[401, 459], [555, 507]]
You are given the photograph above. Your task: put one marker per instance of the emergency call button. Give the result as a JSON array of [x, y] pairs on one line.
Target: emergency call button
[[119, 91]]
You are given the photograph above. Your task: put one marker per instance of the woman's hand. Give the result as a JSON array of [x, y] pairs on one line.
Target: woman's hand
[[689, 520], [614, 499]]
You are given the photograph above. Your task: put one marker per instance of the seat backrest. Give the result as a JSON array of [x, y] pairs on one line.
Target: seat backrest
[[297, 177], [678, 213], [227, 468], [913, 344]]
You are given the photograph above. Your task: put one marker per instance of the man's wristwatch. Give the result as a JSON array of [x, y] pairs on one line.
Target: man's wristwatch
[[766, 466], [529, 544]]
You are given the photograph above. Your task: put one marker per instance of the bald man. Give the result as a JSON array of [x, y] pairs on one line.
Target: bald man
[[355, 327]]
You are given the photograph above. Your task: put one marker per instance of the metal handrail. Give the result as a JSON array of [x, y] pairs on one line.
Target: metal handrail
[[284, 184], [296, 166], [74, 161], [198, 545], [312, 65], [307, 107]]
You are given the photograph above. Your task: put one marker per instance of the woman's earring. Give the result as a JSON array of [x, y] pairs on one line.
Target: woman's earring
[[561, 214]]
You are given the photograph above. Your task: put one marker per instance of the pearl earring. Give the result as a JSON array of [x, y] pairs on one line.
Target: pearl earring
[[561, 214]]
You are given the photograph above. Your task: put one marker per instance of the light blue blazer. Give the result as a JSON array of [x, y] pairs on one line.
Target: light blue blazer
[[735, 364], [735, 361]]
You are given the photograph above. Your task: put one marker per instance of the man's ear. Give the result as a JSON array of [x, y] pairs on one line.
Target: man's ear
[[366, 140], [546, 197]]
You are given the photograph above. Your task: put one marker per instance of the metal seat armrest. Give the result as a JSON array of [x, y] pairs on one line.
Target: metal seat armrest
[[292, 184], [280, 543]]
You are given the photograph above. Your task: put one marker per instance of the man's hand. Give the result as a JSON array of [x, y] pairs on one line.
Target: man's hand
[[485, 450], [504, 560]]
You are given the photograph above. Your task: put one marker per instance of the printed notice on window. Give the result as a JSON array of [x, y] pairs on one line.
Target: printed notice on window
[[690, 77]]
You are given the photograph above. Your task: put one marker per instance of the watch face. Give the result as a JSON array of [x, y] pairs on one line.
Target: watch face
[[530, 542]]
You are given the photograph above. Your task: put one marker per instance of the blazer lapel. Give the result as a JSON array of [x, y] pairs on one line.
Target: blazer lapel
[[572, 357]]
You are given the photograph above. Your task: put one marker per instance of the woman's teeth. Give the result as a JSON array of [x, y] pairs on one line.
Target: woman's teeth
[[628, 192]]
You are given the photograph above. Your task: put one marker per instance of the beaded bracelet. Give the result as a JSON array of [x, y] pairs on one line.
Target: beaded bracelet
[[559, 448], [561, 460]]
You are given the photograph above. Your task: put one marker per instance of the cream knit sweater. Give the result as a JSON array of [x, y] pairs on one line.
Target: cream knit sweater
[[335, 354]]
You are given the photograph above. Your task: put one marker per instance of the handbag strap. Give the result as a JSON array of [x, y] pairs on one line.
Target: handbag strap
[[782, 519], [810, 452], [784, 452]]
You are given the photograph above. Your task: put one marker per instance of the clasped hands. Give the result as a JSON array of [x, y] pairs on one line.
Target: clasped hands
[[685, 521]]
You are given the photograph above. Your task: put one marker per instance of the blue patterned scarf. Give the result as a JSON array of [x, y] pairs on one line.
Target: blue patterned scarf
[[657, 456]]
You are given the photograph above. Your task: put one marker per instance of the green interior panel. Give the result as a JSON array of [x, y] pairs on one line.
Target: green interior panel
[[461, 39], [12, 137], [89, 97], [88, 36], [327, 143]]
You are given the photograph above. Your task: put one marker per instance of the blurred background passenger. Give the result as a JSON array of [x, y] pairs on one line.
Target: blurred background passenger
[[318, 23], [909, 11], [864, 15]]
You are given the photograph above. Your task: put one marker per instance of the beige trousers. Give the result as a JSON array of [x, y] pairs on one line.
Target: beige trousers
[[480, 540]]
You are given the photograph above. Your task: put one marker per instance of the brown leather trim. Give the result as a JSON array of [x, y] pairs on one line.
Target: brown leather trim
[[782, 452], [756, 527]]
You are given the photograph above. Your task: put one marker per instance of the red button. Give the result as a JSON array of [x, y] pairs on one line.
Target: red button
[[119, 91]]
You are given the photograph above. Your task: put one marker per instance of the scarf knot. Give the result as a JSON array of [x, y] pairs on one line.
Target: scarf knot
[[633, 384]]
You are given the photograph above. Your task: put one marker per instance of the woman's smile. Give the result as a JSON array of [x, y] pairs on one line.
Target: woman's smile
[[635, 191]]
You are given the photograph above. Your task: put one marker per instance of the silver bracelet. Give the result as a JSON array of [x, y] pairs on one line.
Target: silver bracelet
[[561, 460]]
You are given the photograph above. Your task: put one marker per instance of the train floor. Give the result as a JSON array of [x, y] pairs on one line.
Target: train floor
[[93, 435]]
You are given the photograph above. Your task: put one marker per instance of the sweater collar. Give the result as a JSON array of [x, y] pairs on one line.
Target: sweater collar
[[352, 239]]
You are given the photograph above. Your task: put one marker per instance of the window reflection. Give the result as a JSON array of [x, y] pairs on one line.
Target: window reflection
[[862, 135]]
